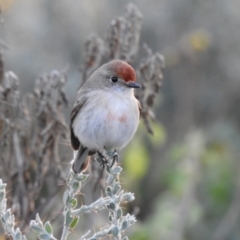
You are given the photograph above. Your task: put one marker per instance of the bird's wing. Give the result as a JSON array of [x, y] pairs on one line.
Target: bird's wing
[[77, 106]]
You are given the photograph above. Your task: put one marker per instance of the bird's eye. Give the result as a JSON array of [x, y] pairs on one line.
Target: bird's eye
[[114, 79]]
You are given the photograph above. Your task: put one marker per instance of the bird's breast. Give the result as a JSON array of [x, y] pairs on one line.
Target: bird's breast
[[117, 117], [108, 121]]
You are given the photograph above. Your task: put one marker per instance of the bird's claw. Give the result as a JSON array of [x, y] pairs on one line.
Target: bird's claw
[[114, 158], [102, 159]]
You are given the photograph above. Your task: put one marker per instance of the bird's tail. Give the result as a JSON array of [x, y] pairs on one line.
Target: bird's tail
[[81, 160]]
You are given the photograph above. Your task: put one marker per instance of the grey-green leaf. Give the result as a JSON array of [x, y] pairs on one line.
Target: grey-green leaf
[[111, 206], [116, 170], [119, 213], [45, 236], [48, 227], [109, 191], [124, 225], [115, 231]]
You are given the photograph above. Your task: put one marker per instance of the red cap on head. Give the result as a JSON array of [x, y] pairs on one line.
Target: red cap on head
[[123, 70]]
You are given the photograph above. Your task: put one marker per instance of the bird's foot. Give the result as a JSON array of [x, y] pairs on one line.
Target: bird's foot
[[101, 159], [114, 158], [110, 159], [113, 155]]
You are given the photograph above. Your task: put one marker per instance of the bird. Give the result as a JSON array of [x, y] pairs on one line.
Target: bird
[[106, 113]]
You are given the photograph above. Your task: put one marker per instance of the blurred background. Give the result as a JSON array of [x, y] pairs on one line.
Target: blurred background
[[186, 177]]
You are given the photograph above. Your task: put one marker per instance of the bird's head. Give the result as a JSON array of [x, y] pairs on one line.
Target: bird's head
[[116, 75]]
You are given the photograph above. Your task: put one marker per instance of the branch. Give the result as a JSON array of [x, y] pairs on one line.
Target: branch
[[7, 218]]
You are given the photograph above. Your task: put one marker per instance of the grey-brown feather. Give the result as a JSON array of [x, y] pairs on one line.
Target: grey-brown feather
[[81, 160], [77, 106], [81, 100]]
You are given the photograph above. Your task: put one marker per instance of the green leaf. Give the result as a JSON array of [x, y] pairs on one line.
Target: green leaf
[[48, 227], [76, 186], [74, 222], [74, 202]]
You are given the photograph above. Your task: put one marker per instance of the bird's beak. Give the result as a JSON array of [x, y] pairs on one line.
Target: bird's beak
[[133, 85]]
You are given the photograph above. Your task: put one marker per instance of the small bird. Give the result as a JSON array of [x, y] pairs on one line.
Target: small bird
[[106, 113]]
